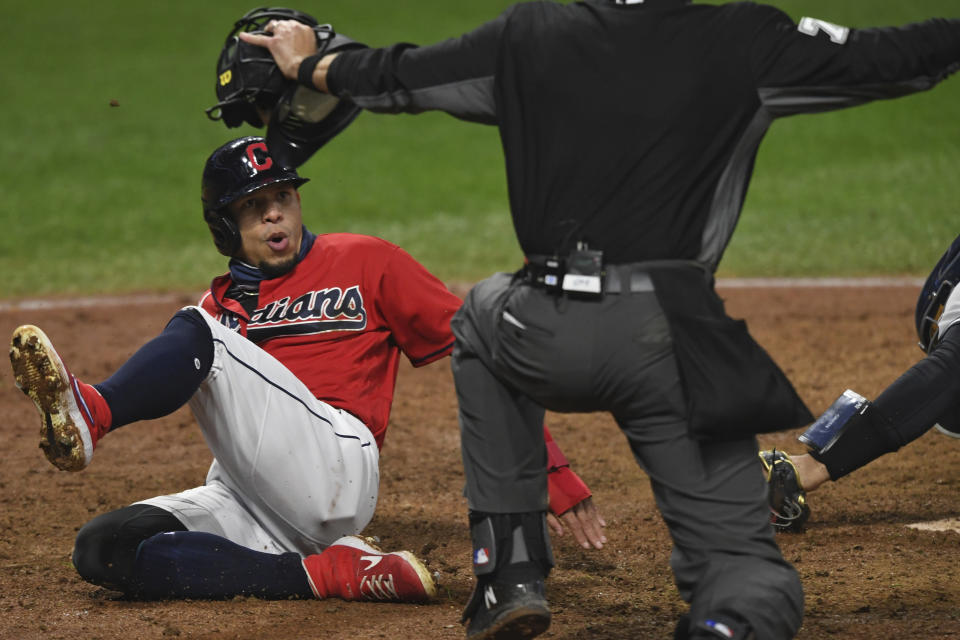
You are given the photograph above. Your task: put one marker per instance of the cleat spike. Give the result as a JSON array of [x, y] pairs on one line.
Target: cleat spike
[[65, 436]]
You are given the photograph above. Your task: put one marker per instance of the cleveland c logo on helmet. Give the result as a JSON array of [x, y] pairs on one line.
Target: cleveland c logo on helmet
[[252, 156]]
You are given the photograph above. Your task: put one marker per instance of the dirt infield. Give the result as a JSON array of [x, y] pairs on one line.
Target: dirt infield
[[866, 574]]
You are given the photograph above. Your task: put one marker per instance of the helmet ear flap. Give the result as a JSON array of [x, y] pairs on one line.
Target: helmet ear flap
[[226, 235]]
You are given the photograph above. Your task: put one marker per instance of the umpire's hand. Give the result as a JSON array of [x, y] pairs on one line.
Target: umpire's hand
[[584, 521], [289, 42]]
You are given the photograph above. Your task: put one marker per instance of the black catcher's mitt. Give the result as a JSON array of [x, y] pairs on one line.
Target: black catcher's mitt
[[788, 501], [249, 84]]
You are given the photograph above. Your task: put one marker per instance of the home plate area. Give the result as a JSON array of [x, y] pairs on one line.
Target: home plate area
[[950, 524]]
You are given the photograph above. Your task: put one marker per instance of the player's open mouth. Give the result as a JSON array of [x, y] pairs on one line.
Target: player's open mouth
[[278, 242]]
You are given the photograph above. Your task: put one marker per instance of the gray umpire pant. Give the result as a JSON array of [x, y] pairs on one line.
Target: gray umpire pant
[[521, 349]]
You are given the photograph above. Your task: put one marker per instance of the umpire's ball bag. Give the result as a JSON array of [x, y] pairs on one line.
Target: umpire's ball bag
[[733, 387]]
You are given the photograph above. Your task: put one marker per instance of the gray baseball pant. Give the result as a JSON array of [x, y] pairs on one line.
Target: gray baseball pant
[[521, 349]]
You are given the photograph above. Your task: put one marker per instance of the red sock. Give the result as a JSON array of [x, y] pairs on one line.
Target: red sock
[[94, 408], [321, 571]]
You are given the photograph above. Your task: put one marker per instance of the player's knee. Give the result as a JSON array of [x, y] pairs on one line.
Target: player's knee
[[190, 320], [93, 550], [105, 549]]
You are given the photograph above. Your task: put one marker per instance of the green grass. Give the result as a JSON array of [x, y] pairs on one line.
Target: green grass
[[106, 199]]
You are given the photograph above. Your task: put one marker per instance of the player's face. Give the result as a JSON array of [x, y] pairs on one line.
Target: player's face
[[269, 221]]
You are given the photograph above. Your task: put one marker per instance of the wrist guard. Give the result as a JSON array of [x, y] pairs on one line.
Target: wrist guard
[[306, 69], [851, 433]]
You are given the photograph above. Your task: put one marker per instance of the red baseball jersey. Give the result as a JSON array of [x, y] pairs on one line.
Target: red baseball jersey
[[341, 318]]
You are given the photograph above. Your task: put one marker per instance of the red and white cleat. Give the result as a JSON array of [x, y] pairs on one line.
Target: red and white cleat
[[353, 569], [69, 432]]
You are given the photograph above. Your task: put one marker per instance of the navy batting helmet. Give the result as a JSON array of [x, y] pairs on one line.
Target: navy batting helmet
[[234, 170], [934, 294]]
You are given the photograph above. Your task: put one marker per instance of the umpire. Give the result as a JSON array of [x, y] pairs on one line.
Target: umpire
[[630, 129]]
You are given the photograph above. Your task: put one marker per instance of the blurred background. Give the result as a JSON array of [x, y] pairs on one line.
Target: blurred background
[[99, 198]]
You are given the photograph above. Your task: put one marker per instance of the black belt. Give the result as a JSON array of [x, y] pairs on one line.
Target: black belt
[[615, 279], [620, 277]]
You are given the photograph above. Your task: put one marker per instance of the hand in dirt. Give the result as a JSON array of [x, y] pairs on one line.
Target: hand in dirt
[[584, 522]]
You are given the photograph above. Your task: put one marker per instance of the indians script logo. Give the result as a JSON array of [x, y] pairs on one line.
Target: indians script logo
[[320, 311]]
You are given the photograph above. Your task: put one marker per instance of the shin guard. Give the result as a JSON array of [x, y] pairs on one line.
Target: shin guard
[[511, 547]]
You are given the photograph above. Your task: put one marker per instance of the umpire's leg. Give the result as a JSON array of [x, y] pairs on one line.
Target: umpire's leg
[[504, 458], [504, 454], [501, 441], [711, 495], [725, 559]]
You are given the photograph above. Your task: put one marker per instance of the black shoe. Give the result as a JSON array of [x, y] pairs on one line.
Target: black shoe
[[507, 611], [948, 430], [714, 628]]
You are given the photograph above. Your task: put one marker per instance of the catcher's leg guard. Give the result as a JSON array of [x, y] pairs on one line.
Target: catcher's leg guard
[[788, 501], [849, 434], [511, 559]]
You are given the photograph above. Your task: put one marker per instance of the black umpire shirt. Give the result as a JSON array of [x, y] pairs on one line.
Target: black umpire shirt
[[634, 125]]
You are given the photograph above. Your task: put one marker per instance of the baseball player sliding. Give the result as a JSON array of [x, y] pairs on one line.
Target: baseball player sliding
[[288, 364], [855, 431]]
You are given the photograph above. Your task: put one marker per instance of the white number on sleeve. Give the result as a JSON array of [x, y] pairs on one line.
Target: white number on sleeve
[[812, 26]]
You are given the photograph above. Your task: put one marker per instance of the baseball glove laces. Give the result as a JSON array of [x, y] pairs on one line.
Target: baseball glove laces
[[785, 494]]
